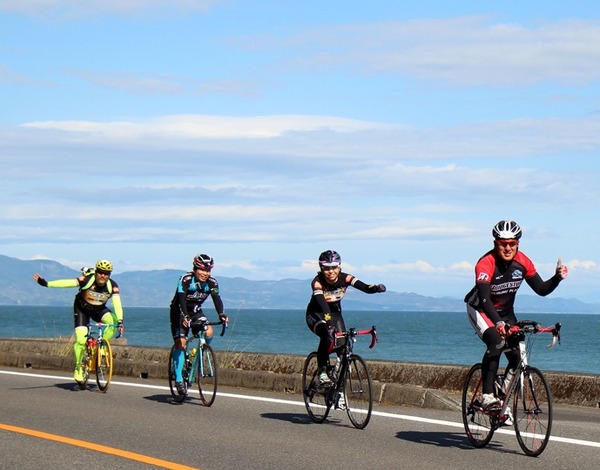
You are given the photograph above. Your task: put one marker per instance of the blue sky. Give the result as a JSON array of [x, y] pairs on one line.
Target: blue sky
[[264, 132]]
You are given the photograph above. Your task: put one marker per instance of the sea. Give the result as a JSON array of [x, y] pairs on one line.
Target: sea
[[422, 337]]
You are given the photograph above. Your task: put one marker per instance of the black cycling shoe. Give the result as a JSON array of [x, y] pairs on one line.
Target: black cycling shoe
[[180, 388]]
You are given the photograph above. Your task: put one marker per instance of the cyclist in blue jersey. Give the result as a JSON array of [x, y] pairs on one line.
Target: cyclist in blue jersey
[[192, 290], [96, 288], [324, 311], [490, 304]]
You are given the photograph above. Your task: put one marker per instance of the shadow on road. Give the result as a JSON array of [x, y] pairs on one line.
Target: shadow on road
[[440, 439], [450, 439], [168, 399], [296, 418], [73, 387], [301, 418]]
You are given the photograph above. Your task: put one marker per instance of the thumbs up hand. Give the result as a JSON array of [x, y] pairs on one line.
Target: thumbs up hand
[[561, 270]]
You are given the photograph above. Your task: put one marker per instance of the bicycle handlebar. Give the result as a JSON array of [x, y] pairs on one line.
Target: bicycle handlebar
[[532, 327], [352, 332], [101, 326], [206, 322]]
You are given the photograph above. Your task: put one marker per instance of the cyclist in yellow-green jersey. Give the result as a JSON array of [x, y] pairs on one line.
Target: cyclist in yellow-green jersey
[[95, 289]]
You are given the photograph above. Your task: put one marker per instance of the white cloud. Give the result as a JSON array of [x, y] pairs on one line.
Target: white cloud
[[586, 265], [465, 51], [332, 137]]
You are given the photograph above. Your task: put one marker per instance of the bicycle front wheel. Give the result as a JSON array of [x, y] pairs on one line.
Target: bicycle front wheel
[[478, 423], [315, 395], [104, 365], [358, 392], [207, 374], [533, 412]]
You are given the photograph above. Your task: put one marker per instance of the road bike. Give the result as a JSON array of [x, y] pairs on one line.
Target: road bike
[[525, 391], [350, 389], [97, 356], [200, 368]]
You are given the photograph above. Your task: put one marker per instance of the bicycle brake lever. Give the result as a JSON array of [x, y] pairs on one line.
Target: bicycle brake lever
[[555, 339], [374, 338]]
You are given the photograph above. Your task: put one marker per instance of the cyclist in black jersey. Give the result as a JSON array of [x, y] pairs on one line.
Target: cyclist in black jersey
[[324, 311], [490, 304], [96, 287], [192, 290]]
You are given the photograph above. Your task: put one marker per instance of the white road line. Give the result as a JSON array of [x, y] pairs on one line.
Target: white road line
[[383, 414]]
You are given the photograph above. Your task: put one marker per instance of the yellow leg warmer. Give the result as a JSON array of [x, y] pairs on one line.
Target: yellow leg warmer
[[110, 318], [79, 345]]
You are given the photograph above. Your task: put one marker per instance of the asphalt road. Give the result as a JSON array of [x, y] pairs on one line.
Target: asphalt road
[[46, 423]]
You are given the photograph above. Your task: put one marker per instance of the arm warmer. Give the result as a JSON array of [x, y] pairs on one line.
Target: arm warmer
[[64, 283], [361, 286], [117, 306], [541, 287]]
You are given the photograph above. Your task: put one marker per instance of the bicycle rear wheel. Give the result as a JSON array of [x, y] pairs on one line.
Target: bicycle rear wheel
[[207, 374], [315, 395], [177, 397], [478, 423], [358, 392], [533, 412], [104, 365]]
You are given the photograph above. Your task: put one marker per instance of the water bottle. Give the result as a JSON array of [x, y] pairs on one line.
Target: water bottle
[[336, 370], [499, 385], [91, 346], [193, 354]]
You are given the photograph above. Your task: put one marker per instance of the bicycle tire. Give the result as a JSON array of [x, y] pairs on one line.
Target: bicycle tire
[[177, 397], [532, 411], [207, 375], [316, 398], [104, 365], [358, 392], [478, 424]]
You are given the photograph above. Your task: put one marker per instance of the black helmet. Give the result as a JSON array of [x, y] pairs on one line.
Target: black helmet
[[203, 262], [506, 229], [330, 258]]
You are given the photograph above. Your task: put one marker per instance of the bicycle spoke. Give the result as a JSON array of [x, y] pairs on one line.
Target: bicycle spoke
[[477, 422], [358, 392], [315, 396], [533, 412], [206, 375], [104, 365]]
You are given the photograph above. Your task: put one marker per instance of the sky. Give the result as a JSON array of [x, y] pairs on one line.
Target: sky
[[264, 132]]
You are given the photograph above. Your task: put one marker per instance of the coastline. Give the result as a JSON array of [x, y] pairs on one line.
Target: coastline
[[436, 386]]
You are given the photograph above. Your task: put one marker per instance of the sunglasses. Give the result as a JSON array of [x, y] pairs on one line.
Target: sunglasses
[[507, 243], [329, 268], [103, 273]]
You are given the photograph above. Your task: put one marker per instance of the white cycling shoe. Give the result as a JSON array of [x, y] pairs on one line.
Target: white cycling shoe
[[488, 400], [508, 421]]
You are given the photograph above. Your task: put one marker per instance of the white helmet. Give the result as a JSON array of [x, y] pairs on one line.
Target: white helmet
[[507, 230]]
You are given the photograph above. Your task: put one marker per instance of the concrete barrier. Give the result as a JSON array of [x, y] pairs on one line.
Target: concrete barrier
[[402, 383]]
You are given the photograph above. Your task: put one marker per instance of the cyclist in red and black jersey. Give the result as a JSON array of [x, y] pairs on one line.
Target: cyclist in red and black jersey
[[490, 304], [192, 290], [96, 288], [324, 311]]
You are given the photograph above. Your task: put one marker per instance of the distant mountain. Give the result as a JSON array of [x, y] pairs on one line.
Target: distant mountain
[[156, 288]]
